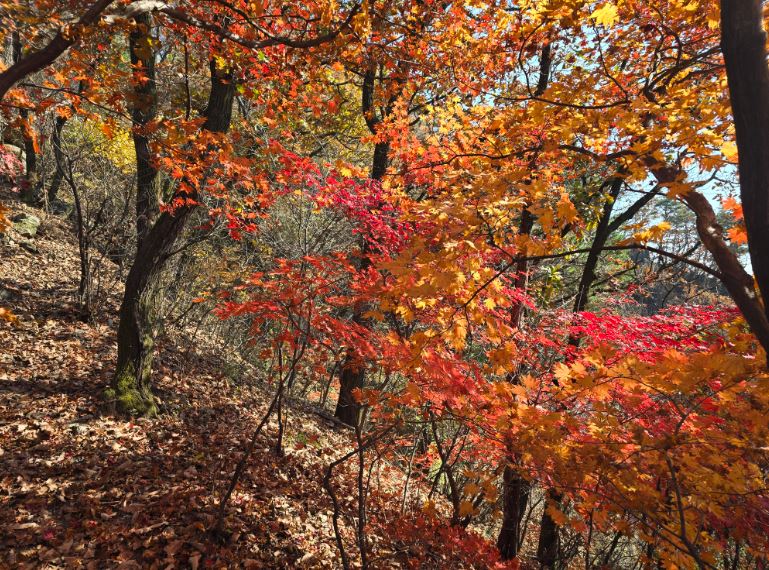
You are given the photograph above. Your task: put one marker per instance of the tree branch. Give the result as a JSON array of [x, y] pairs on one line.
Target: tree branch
[[42, 58]]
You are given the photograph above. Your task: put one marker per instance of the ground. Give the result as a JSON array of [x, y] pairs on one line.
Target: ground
[[82, 488]]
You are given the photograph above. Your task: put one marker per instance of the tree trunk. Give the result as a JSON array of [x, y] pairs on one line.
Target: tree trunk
[[548, 547], [131, 389], [143, 111], [743, 42], [29, 190], [737, 281], [352, 378], [58, 155], [515, 494], [84, 287], [353, 374]]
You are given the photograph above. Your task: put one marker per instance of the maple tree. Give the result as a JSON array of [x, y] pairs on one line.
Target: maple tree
[[509, 243]]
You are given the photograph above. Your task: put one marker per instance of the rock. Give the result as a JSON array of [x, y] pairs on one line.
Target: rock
[[29, 246], [26, 224]]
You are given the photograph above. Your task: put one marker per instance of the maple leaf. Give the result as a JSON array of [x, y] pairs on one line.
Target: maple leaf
[[466, 508], [567, 213], [729, 150], [457, 334], [606, 15], [738, 234], [562, 372], [732, 205]]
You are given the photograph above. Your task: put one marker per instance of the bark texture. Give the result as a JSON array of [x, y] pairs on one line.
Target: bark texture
[[515, 494], [549, 542], [143, 110], [743, 42]]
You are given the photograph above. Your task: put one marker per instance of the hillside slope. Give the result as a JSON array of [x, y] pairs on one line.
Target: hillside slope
[[80, 488]]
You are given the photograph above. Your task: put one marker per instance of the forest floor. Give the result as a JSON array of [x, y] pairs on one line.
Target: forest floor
[[81, 488]]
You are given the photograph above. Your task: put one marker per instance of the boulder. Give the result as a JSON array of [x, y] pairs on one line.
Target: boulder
[[26, 224]]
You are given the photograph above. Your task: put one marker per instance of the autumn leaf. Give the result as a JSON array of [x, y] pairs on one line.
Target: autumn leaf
[[4, 222], [458, 335], [466, 508], [567, 213], [562, 372], [734, 207], [606, 15], [8, 316], [558, 516], [729, 150], [738, 234]]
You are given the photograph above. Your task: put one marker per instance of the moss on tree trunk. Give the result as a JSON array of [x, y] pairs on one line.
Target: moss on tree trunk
[[130, 391], [130, 395]]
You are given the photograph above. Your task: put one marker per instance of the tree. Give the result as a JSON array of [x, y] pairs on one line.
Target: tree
[[743, 42], [131, 385]]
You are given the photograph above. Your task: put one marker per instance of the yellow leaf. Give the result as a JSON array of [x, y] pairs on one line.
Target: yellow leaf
[[676, 189], [561, 372], [328, 13], [344, 170], [692, 6], [729, 150], [713, 16], [429, 508], [458, 335], [606, 15]]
